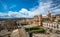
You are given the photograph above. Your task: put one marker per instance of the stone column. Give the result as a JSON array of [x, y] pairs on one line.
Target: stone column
[[52, 19], [40, 20]]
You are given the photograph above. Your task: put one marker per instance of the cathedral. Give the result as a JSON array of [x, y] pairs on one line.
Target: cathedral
[[39, 19]]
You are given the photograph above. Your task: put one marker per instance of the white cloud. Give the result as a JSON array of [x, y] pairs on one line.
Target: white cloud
[[42, 8], [55, 7], [34, 11], [23, 10], [13, 6], [15, 14], [56, 11], [22, 13], [5, 6]]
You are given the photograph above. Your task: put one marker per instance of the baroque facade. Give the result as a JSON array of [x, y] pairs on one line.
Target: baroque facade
[[48, 18], [39, 19]]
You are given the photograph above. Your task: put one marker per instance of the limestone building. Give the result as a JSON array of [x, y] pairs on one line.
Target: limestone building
[[36, 20]]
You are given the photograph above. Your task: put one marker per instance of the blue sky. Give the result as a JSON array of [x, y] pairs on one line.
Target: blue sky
[[27, 8]]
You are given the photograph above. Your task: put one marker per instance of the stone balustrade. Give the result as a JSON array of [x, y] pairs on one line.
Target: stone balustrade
[[54, 26]]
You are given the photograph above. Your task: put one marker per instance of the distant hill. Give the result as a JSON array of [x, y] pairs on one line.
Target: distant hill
[[13, 18]]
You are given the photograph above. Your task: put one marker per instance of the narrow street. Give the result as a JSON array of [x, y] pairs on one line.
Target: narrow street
[[20, 32]]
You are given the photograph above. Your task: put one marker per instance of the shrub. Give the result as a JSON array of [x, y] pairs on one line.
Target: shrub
[[37, 31], [32, 28], [41, 30], [58, 20]]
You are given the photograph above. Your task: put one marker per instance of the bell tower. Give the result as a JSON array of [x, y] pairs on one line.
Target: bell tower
[[48, 14], [36, 20]]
